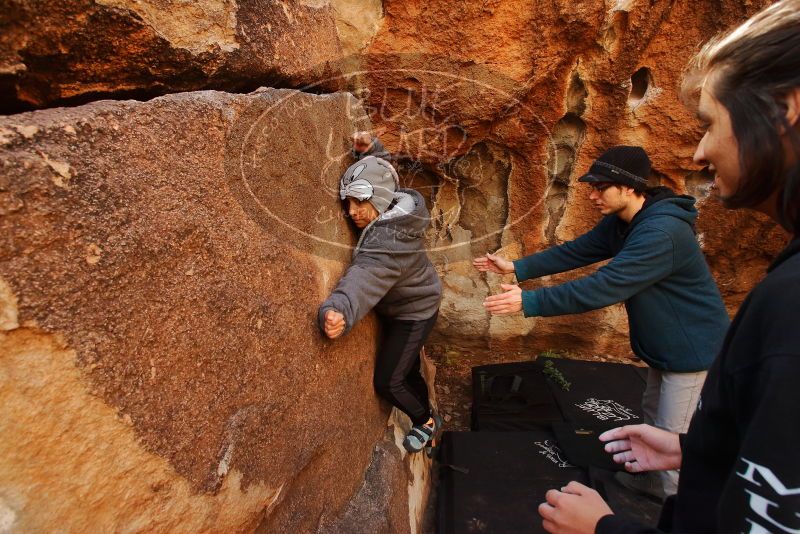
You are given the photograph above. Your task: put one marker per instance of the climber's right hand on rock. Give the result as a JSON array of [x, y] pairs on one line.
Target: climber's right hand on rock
[[494, 264], [334, 324]]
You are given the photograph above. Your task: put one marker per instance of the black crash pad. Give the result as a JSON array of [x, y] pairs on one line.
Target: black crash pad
[[582, 447], [622, 501], [512, 396], [600, 393], [494, 481]]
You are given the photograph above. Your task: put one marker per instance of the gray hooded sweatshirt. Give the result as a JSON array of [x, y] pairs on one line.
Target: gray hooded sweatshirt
[[390, 270]]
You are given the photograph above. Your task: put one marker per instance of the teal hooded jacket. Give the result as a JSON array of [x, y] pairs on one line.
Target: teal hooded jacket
[[676, 316]]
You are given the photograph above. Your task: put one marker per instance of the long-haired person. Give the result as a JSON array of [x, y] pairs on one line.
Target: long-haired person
[[740, 460]]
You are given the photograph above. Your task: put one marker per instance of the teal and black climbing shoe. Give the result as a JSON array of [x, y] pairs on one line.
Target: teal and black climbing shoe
[[422, 436]]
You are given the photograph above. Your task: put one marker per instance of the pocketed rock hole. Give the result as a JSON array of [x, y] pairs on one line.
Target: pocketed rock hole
[[641, 81], [567, 137], [698, 183]]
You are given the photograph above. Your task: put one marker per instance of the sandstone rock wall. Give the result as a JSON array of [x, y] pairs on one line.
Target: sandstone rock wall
[[495, 108], [161, 262], [498, 108], [161, 265], [81, 50]]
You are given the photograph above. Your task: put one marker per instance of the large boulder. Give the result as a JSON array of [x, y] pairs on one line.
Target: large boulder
[[161, 265], [493, 109], [75, 51]]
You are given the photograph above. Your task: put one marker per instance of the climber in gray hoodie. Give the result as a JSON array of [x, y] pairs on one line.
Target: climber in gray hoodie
[[391, 273]]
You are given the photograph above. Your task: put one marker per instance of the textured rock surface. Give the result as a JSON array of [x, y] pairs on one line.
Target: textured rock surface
[[160, 367], [160, 263], [517, 111], [495, 130], [79, 50]]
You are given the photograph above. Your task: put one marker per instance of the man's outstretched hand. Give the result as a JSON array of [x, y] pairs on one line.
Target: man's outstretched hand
[[504, 303], [643, 448], [334, 324], [494, 264], [575, 509]]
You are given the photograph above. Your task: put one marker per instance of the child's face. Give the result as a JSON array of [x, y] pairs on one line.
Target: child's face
[[361, 211]]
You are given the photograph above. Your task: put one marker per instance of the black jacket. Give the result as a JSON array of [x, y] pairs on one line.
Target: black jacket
[[740, 470]]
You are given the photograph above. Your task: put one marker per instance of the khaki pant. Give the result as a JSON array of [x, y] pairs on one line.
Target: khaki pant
[[669, 402]]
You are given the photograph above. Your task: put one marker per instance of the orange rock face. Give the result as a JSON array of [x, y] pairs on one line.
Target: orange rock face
[[495, 107], [499, 107], [160, 364], [161, 262], [77, 51]]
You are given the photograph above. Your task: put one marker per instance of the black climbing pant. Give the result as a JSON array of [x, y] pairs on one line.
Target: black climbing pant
[[397, 375]]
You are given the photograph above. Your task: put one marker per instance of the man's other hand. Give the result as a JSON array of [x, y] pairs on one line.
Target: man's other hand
[[575, 509], [494, 264], [505, 303], [643, 448]]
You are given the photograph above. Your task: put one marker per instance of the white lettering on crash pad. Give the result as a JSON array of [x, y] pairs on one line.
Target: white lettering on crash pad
[[607, 410], [553, 453]]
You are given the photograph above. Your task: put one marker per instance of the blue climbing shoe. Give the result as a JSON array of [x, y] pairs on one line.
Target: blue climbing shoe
[[422, 436]]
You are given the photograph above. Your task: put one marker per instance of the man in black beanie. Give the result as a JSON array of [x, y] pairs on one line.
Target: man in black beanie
[[676, 316]]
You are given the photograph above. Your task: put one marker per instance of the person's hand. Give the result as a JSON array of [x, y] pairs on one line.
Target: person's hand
[[494, 264], [334, 324], [504, 303], [575, 509], [643, 448]]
